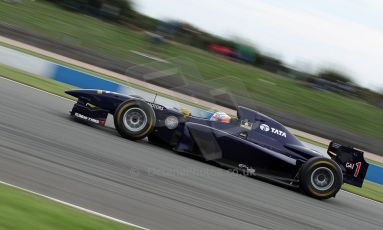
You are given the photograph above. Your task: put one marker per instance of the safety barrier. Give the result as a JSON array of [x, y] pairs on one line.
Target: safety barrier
[[76, 78], [375, 174]]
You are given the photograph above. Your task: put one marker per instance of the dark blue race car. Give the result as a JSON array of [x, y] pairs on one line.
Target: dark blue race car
[[252, 143]]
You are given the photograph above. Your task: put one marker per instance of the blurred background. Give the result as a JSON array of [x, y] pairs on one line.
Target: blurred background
[[305, 64]]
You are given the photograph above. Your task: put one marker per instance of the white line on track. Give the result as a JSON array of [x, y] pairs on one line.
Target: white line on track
[[362, 197], [74, 206]]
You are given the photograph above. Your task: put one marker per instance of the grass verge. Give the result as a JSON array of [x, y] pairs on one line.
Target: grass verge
[[38, 82], [21, 210], [369, 190]]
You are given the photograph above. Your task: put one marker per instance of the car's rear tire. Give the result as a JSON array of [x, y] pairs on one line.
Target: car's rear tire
[[320, 178], [134, 119]]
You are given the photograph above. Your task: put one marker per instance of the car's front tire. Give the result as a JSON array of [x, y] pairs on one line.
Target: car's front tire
[[134, 119], [320, 178]]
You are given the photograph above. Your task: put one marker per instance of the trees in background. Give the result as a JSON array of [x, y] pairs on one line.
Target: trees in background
[[334, 76], [338, 82], [116, 10]]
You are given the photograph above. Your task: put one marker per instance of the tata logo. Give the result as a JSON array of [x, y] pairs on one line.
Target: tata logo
[[267, 128], [264, 127], [279, 132]]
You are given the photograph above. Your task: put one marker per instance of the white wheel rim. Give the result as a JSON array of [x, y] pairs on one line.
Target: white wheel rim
[[322, 178], [135, 119]]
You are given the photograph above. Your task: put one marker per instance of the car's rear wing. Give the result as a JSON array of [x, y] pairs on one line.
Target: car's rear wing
[[351, 161]]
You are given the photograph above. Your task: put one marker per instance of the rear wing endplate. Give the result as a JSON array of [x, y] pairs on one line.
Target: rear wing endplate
[[351, 161]]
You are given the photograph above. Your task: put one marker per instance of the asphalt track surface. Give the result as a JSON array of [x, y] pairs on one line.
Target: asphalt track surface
[[41, 149]]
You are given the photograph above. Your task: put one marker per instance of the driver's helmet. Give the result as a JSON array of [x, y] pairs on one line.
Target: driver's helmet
[[185, 112], [220, 116]]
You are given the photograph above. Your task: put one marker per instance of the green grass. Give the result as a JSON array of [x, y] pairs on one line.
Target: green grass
[[369, 190], [21, 210], [42, 83], [116, 40]]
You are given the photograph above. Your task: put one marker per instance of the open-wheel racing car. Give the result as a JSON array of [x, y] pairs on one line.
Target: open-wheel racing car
[[252, 143]]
